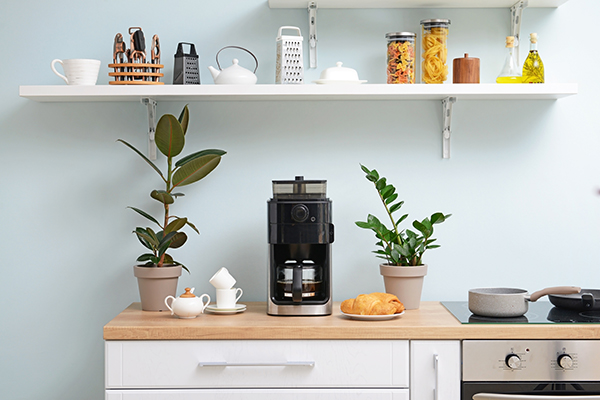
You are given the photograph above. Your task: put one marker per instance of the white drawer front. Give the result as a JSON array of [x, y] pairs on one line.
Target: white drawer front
[[257, 363], [259, 394]]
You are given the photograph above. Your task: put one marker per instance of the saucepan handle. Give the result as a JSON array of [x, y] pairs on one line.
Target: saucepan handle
[[554, 290]]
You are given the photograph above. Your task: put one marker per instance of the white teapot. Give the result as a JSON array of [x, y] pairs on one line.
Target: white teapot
[[187, 305], [235, 74]]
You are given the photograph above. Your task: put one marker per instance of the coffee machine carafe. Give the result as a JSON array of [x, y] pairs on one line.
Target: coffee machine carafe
[[300, 237]]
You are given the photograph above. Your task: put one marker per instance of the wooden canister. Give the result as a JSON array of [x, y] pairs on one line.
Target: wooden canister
[[465, 70]]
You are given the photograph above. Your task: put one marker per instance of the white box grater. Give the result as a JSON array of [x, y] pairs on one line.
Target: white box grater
[[290, 61]]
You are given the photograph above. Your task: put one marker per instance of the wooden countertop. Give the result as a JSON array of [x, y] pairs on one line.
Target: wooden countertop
[[431, 321]]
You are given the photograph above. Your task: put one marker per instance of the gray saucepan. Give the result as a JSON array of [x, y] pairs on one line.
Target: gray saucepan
[[509, 302]]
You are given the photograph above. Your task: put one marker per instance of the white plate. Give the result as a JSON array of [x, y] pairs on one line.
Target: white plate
[[372, 317], [336, 81], [216, 310]]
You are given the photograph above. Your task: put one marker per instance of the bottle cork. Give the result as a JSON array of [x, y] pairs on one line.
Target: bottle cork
[[510, 41], [533, 37], [465, 70]]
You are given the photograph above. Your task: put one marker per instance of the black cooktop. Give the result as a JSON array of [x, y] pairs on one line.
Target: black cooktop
[[541, 312]]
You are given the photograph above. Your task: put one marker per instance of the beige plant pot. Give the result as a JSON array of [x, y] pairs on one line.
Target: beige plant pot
[[404, 282], [156, 284]]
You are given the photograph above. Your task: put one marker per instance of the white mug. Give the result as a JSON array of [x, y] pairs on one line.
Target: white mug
[[226, 298], [78, 71], [222, 279]]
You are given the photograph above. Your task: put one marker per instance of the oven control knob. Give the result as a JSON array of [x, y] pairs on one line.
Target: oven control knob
[[565, 361], [513, 361]]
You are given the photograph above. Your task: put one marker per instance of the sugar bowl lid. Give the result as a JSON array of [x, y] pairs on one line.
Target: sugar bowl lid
[[188, 293]]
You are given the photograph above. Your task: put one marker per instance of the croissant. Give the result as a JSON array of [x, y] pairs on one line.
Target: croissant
[[373, 304]]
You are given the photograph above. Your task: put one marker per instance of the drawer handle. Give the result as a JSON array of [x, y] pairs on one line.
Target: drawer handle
[[237, 364]]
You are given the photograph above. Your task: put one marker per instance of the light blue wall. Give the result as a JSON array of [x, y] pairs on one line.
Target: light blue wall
[[522, 183]]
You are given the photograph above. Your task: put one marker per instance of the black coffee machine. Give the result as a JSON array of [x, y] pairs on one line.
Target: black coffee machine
[[300, 237]]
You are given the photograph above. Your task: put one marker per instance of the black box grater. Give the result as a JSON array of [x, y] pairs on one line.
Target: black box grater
[[186, 70]]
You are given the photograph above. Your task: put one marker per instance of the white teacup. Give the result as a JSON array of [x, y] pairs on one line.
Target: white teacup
[[226, 298], [78, 71], [222, 279]]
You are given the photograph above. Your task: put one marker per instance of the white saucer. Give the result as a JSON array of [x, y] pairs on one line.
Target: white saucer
[[372, 317], [337, 81], [216, 310]]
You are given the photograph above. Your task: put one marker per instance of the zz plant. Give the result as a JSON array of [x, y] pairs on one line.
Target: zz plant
[[399, 247], [170, 140]]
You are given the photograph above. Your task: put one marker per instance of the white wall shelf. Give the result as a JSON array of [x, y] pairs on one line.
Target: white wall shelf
[[98, 93], [412, 3], [448, 94]]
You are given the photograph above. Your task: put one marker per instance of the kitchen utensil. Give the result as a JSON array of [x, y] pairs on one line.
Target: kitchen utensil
[[339, 75], [186, 70], [509, 302], [465, 70], [187, 305], [401, 57], [235, 74], [226, 298], [289, 67], [78, 71], [587, 299], [222, 279], [136, 70]]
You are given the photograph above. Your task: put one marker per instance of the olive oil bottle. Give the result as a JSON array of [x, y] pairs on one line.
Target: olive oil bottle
[[511, 73], [533, 68]]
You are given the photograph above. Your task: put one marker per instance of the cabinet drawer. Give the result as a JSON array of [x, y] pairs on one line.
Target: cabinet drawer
[[259, 394], [257, 363]]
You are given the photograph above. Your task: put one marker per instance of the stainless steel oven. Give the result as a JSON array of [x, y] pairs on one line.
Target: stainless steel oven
[[531, 370]]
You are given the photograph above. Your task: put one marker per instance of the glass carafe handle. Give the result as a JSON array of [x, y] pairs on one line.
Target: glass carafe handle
[[297, 284]]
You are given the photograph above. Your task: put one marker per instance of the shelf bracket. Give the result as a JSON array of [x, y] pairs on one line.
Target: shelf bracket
[[151, 105], [447, 115], [312, 37], [516, 12]]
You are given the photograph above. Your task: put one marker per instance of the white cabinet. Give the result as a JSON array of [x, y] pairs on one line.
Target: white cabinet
[[252, 369], [434, 370]]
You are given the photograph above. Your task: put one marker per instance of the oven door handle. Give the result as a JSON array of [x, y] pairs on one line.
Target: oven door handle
[[496, 396]]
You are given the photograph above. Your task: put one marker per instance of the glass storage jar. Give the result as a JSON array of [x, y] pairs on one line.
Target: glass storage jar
[[434, 50], [401, 57]]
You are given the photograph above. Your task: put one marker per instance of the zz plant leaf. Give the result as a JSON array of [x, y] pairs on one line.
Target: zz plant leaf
[[402, 247]]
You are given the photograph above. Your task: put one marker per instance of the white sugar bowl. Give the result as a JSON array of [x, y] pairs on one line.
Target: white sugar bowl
[[187, 305]]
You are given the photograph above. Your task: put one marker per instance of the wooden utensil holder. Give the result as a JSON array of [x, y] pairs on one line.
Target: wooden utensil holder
[[136, 74]]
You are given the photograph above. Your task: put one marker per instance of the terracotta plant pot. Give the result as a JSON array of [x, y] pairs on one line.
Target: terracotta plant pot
[[404, 282], [156, 284]]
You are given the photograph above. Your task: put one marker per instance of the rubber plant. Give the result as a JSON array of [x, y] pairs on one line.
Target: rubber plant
[[170, 140], [399, 247]]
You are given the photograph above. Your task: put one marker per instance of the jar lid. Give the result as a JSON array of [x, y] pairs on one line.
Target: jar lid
[[400, 35], [435, 22], [188, 293]]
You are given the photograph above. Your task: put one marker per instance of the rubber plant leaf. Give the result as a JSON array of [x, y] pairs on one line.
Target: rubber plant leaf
[[162, 196], [169, 136], [195, 169], [144, 214], [178, 240], [144, 157], [198, 154], [176, 225], [184, 119]]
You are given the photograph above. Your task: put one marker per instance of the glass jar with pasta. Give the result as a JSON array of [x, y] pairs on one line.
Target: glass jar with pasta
[[401, 57], [434, 50]]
